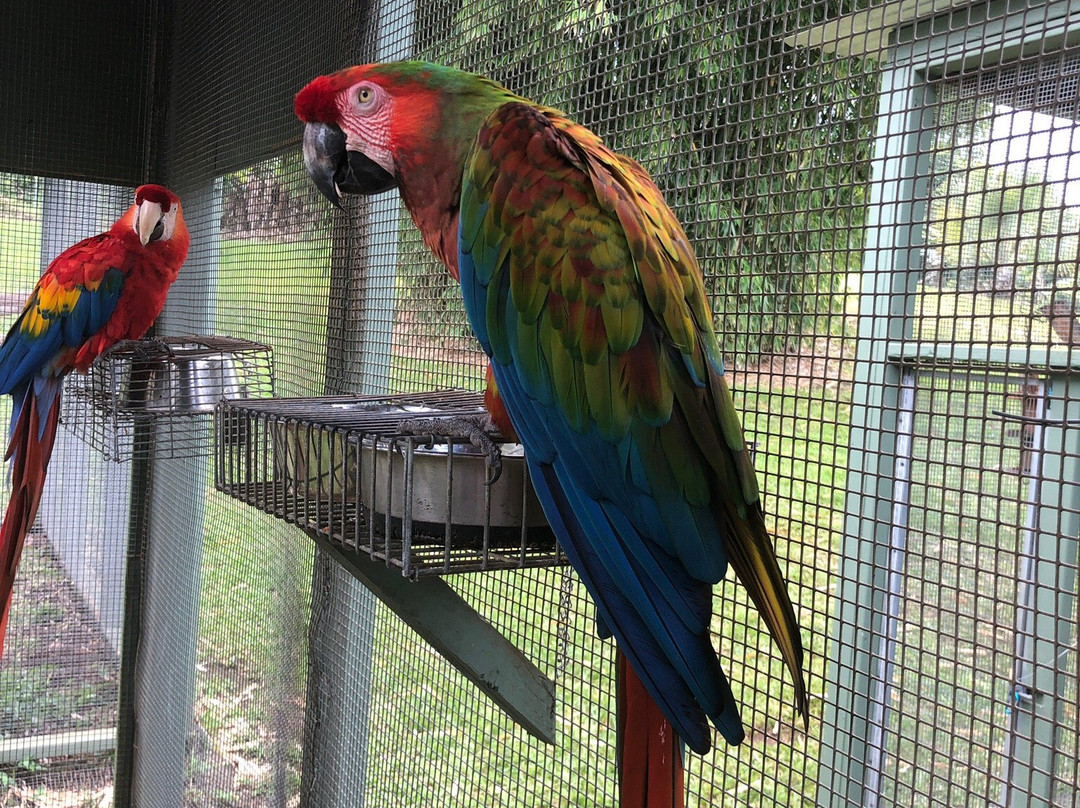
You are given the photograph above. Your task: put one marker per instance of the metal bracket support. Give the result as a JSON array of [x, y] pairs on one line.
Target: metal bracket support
[[468, 641]]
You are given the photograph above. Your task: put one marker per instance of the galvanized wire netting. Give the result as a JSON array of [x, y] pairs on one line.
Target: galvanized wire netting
[[60, 671], [599, 70], [978, 635], [884, 200]]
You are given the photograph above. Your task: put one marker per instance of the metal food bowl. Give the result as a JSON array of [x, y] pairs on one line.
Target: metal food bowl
[[443, 488], [187, 377], [194, 385], [406, 486], [321, 458]]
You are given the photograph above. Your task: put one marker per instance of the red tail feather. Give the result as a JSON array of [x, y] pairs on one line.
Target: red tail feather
[[649, 753], [496, 409], [30, 458]]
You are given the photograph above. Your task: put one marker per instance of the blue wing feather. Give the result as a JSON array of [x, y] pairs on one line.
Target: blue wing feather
[[27, 356], [28, 359], [25, 353], [675, 662], [99, 305]]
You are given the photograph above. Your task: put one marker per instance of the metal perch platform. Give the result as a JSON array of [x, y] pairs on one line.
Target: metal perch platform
[[162, 392], [345, 468]]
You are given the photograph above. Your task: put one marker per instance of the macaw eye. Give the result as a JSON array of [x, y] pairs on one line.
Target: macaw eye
[[365, 95]]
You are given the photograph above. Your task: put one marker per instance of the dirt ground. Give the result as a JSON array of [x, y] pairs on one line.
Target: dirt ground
[[828, 362], [58, 673], [67, 672]]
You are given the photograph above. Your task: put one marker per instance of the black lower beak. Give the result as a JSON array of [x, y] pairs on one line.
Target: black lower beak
[[335, 170]]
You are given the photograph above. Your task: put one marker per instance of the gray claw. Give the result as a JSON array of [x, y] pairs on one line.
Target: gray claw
[[477, 429], [143, 350]]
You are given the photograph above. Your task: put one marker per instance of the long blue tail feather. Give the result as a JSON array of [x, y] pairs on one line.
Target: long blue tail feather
[[657, 639]]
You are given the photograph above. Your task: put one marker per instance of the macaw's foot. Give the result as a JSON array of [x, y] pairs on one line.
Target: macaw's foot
[[141, 350], [477, 429]]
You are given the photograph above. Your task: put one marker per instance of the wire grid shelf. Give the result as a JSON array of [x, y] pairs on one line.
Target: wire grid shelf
[[348, 468], [160, 393]]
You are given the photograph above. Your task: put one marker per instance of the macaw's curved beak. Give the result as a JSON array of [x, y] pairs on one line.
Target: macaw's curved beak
[[148, 222], [335, 170]]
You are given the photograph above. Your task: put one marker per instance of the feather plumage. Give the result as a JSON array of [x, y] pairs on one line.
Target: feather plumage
[[584, 290], [104, 289], [634, 371]]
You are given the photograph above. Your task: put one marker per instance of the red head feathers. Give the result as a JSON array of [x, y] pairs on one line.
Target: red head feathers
[[156, 193]]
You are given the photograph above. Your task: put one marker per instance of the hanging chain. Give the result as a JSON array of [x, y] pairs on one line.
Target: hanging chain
[[566, 591]]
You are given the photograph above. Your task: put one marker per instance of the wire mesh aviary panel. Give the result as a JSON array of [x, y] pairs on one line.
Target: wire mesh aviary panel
[[883, 198], [1000, 277], [600, 70], [962, 478], [60, 669], [660, 83], [965, 613], [1002, 234]]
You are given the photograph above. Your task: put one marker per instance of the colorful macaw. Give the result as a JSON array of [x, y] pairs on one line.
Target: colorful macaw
[[584, 291], [106, 288]]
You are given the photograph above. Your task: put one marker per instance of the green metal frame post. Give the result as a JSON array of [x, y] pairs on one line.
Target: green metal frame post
[[893, 233], [1048, 604], [872, 553]]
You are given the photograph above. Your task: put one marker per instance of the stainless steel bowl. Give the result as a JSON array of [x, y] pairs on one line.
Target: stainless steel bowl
[[451, 489], [195, 385], [398, 481], [183, 379]]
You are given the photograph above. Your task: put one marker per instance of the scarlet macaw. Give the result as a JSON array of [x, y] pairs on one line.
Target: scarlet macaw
[[584, 291], [97, 292]]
